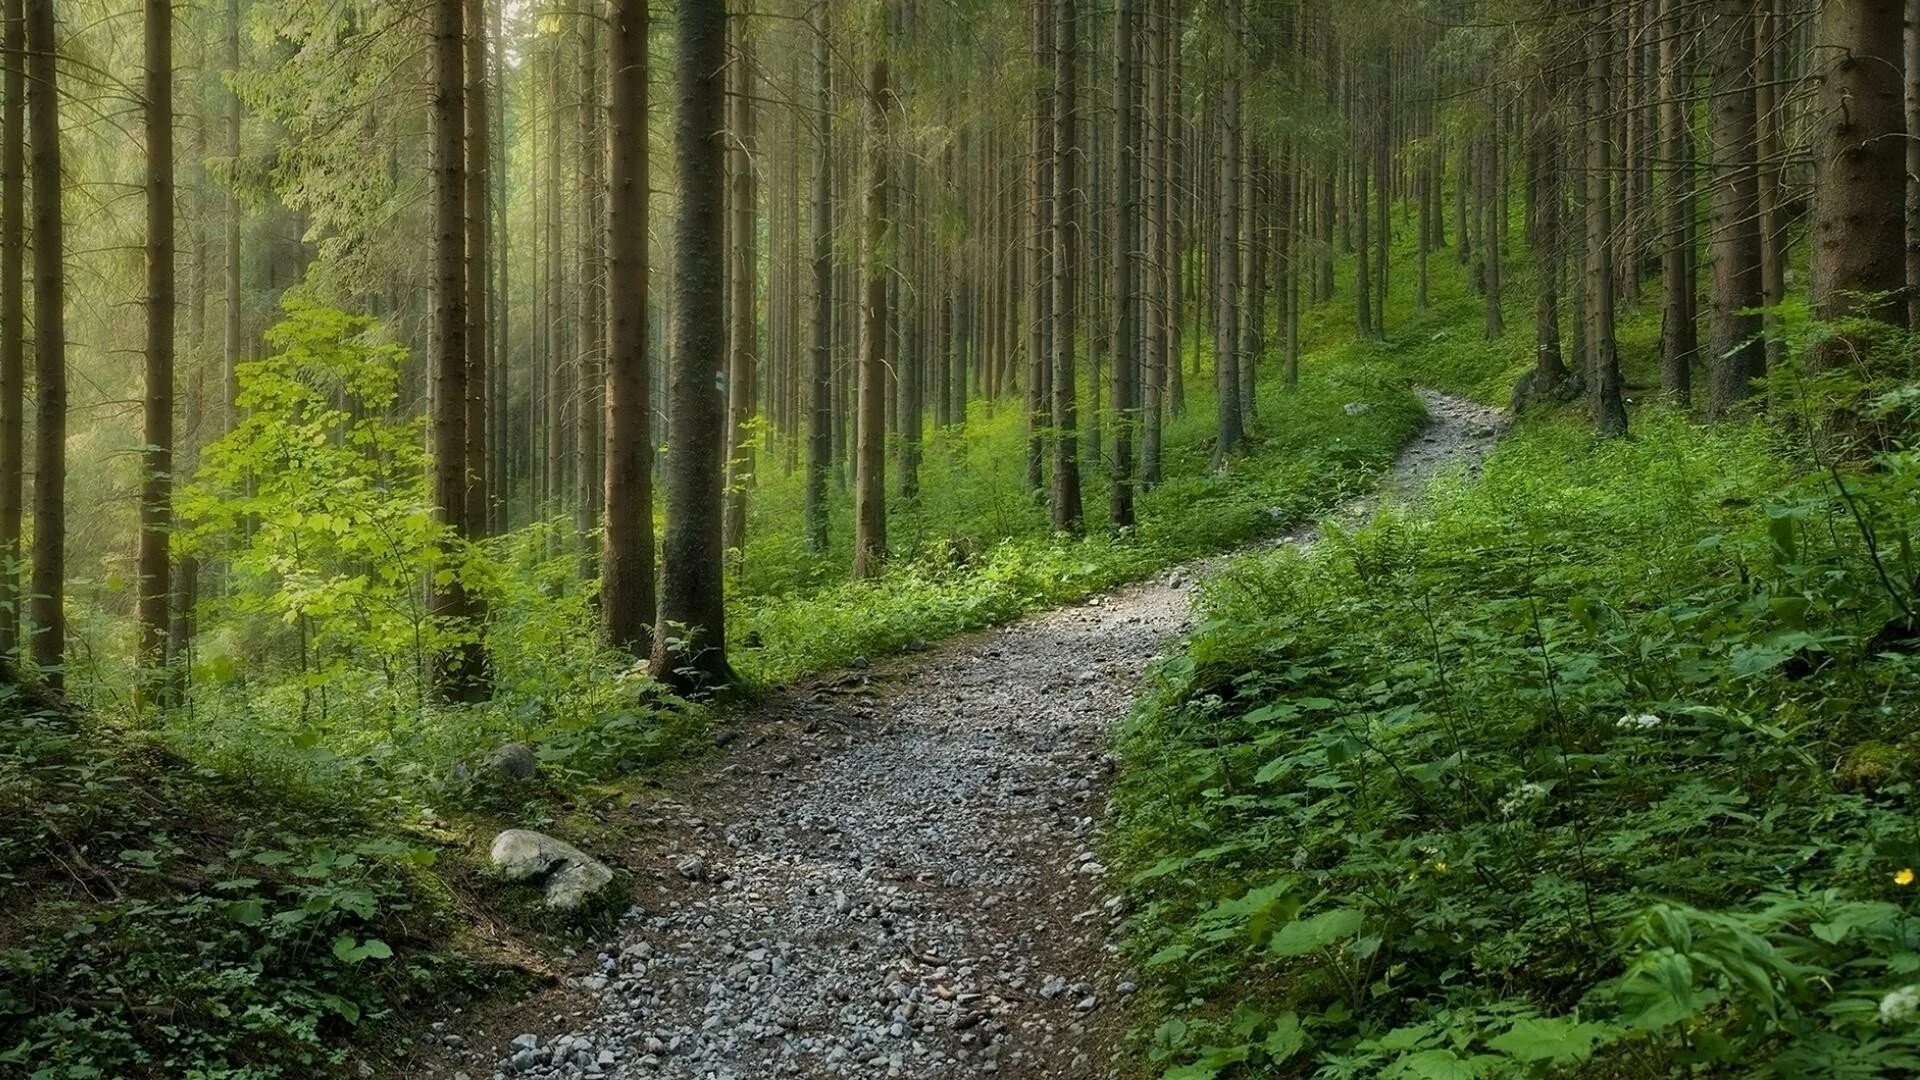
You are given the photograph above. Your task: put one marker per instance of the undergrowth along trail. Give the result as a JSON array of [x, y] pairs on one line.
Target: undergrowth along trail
[[897, 872]]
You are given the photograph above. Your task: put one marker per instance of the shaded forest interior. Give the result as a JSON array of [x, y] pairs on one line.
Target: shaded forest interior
[[558, 375]]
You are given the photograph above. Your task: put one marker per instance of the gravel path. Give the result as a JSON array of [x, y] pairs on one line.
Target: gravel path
[[896, 874]]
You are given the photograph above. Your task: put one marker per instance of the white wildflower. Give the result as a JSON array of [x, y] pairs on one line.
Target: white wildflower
[[1900, 1004], [1641, 721], [1522, 797]]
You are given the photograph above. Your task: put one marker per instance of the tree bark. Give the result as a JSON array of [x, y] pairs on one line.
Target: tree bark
[[1912, 42], [1679, 328], [1153, 284], [478, 271], [589, 408], [820, 363], [1227, 337], [156, 455], [460, 671], [1550, 372], [743, 361], [626, 558], [46, 610], [1064, 504], [13, 375], [231, 346], [689, 647], [1603, 365], [1767, 185], [1859, 266], [1735, 354], [1039, 275], [1124, 340], [870, 465]]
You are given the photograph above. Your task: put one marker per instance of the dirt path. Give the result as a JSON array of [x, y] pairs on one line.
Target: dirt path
[[896, 874]]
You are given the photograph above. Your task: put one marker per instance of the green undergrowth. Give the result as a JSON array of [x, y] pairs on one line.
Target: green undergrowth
[[163, 919], [954, 573], [1602, 765], [311, 661]]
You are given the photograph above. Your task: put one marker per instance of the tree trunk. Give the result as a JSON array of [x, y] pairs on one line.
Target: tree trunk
[[689, 647], [1153, 284], [230, 326], [589, 409], [626, 559], [499, 481], [820, 369], [1913, 164], [743, 361], [1859, 178], [478, 271], [46, 612], [870, 466], [1735, 354], [1124, 340], [1065, 502], [156, 455], [460, 671], [1227, 337], [1423, 195], [1679, 327], [1767, 186], [1039, 276], [1496, 212], [1363, 258], [13, 375], [906, 320], [1550, 372], [1603, 365]]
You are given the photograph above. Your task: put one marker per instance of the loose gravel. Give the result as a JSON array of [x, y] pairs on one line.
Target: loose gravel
[[897, 874]]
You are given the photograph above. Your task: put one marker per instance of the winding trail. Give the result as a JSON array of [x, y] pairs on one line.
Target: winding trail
[[896, 873]]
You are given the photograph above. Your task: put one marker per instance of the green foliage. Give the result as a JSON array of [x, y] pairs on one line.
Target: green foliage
[[160, 920], [313, 661], [976, 550], [1601, 763], [316, 503]]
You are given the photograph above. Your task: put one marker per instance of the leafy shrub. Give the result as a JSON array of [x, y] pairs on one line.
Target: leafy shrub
[[1607, 759]]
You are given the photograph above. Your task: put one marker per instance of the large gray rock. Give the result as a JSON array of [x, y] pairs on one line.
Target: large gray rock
[[570, 875], [515, 761]]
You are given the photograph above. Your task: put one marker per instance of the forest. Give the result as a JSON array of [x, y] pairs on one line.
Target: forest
[[1198, 539]]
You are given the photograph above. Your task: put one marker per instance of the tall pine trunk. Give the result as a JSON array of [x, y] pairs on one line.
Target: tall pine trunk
[[870, 465], [156, 455], [13, 375], [46, 609], [626, 558], [743, 359], [1735, 355], [689, 646], [478, 169], [1603, 361], [460, 669], [1859, 178], [820, 359], [1064, 504], [1679, 326], [1124, 340], [1039, 277]]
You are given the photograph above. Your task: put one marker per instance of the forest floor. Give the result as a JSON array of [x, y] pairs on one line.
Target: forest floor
[[895, 871]]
